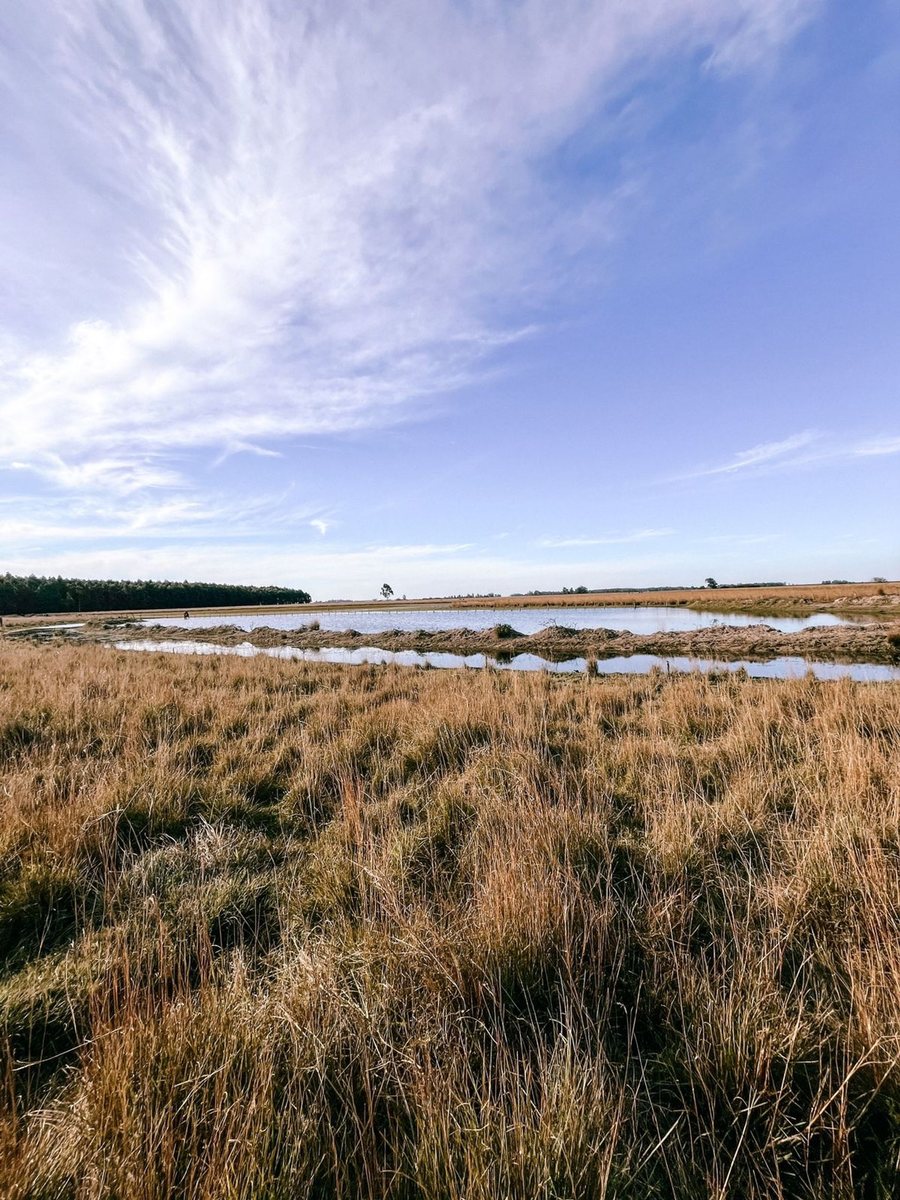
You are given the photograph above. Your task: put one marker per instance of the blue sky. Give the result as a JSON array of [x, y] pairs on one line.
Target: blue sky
[[465, 296]]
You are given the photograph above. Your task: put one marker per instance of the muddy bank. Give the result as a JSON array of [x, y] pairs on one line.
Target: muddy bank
[[875, 643]]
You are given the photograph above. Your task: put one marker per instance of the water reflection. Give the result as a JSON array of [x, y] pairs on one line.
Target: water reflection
[[46, 628], [633, 664], [776, 668], [651, 619], [371, 655]]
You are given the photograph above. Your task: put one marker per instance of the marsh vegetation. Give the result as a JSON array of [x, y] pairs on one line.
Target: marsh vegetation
[[291, 930]]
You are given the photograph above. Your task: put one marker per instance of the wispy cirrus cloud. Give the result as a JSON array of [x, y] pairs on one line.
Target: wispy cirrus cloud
[[277, 219], [245, 448], [788, 451], [877, 447], [183, 515], [801, 450], [610, 539], [120, 474]]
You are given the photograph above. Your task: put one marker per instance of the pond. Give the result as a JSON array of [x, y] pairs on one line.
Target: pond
[[634, 664], [651, 619]]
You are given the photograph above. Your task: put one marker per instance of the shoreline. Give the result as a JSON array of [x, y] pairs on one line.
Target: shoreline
[[791, 600], [873, 643]]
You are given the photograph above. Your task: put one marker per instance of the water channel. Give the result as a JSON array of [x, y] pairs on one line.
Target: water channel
[[633, 664]]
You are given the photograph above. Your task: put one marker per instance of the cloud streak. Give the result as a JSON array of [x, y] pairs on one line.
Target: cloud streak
[[415, 569], [809, 449], [299, 219], [780, 453], [612, 539], [186, 515]]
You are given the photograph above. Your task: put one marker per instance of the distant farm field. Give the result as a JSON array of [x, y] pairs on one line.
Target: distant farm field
[[873, 597], [276, 929]]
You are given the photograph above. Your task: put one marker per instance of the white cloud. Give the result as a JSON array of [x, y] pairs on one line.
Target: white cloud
[[877, 447], [118, 475], [758, 33], [298, 218], [763, 455], [245, 448], [808, 449], [346, 572], [186, 515], [739, 540], [612, 539]]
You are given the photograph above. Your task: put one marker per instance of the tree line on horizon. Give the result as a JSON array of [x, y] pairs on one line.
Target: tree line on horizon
[[22, 595]]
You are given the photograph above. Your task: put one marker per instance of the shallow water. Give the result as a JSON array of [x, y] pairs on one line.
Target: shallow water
[[776, 668], [366, 654], [46, 628], [633, 664], [652, 619]]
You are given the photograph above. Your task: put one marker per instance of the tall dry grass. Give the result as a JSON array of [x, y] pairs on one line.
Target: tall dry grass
[[284, 930]]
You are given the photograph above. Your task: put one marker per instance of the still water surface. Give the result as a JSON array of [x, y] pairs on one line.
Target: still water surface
[[652, 619], [633, 664]]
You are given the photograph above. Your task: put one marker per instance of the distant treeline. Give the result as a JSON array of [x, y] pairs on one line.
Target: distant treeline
[[22, 595], [768, 583], [614, 591]]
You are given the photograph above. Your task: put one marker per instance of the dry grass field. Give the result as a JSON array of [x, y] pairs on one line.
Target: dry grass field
[[793, 598], [282, 930]]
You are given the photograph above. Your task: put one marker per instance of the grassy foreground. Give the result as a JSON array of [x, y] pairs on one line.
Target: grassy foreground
[[283, 930]]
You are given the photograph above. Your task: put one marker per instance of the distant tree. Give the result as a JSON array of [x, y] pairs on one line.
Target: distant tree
[[710, 582], [386, 591]]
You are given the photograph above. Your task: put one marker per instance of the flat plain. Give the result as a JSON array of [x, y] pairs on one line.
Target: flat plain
[[877, 597]]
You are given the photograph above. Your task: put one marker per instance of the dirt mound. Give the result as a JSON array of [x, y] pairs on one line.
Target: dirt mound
[[505, 631], [558, 633]]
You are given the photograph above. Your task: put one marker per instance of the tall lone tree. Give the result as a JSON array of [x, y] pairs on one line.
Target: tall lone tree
[[386, 591]]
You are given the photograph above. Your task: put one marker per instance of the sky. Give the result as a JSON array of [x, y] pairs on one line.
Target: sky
[[465, 296]]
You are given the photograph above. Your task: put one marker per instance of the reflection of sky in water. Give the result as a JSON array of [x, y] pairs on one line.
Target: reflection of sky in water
[[652, 619], [634, 664], [46, 628], [777, 668]]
